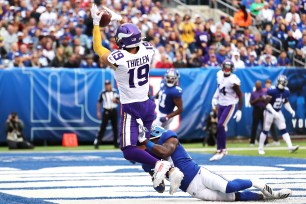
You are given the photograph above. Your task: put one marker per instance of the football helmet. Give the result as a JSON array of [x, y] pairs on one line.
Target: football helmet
[[227, 66], [156, 131], [282, 81], [128, 36], [171, 77]]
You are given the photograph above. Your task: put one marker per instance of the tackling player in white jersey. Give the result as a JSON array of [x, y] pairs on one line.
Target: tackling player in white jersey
[[277, 96], [131, 64], [227, 95]]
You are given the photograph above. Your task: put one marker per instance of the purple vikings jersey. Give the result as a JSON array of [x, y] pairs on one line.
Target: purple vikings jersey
[[278, 97], [180, 159], [166, 96]]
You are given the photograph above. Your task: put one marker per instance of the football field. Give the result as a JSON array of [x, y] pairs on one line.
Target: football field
[[106, 177]]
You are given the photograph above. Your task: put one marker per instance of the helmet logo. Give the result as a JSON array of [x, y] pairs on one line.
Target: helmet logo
[[123, 35]]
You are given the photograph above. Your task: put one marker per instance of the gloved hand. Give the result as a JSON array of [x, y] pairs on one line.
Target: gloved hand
[[96, 14], [163, 119], [238, 115], [292, 113], [214, 103], [142, 131], [115, 16]]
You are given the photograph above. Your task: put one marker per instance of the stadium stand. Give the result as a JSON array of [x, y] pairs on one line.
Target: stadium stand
[[58, 33]]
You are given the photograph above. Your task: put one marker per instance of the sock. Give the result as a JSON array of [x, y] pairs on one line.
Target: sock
[[247, 196], [132, 153], [262, 139], [238, 185], [221, 137], [287, 139]]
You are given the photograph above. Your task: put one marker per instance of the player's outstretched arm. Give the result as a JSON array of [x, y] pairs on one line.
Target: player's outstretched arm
[[289, 108], [178, 102], [97, 39]]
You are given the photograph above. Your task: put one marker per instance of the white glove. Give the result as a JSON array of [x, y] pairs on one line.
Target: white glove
[[238, 115], [142, 131], [292, 113], [96, 14], [115, 17], [214, 103]]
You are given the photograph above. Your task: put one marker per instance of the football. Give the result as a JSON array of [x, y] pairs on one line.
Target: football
[[105, 19]]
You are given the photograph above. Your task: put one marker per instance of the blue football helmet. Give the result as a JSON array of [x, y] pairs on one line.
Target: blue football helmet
[[156, 131], [128, 36], [282, 81], [171, 77], [227, 66]]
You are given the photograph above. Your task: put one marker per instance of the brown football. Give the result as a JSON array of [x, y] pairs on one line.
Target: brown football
[[105, 19]]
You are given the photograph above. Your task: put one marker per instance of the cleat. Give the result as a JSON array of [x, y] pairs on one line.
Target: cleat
[[293, 149], [160, 170], [261, 151], [264, 188], [175, 178], [274, 143], [283, 193], [218, 155]]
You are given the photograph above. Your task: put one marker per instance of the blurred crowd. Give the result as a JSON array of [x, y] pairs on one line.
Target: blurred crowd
[[58, 33]]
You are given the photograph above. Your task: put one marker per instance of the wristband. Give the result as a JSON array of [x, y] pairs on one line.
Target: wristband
[[150, 145]]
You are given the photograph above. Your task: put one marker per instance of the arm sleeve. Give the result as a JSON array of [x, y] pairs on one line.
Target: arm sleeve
[[100, 98], [97, 42]]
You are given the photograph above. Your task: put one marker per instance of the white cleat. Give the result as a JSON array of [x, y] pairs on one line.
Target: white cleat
[[261, 151], [218, 155], [175, 178], [160, 170], [293, 149], [264, 188], [283, 193]]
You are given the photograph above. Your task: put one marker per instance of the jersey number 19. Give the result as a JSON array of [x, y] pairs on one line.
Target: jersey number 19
[[142, 75]]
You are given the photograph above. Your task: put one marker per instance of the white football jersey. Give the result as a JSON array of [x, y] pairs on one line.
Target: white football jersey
[[227, 95], [132, 73]]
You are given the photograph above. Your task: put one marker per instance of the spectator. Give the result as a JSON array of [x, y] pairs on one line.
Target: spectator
[[17, 62], [202, 38], [265, 15], [283, 60], [301, 48], [292, 16], [48, 18], [35, 61], [179, 62], [243, 54], [89, 63], [268, 62], [68, 51], [256, 7], [281, 34], [73, 62], [196, 59], [259, 44], [290, 44], [164, 62], [238, 63], [242, 18], [268, 51], [83, 38], [296, 33], [187, 32], [222, 55], [226, 27], [14, 132], [48, 51], [9, 37], [58, 60], [212, 62], [3, 52], [267, 34], [251, 62], [25, 55]]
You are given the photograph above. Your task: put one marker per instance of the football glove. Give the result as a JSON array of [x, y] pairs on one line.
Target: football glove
[[163, 119], [96, 14], [115, 17], [142, 131], [214, 103], [238, 115]]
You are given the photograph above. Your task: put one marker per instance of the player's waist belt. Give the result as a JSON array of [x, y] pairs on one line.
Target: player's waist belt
[[110, 109]]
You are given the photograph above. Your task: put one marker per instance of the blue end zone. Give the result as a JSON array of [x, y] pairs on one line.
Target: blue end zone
[[11, 199]]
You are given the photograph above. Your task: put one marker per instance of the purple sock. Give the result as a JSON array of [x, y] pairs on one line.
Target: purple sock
[[132, 153], [221, 137]]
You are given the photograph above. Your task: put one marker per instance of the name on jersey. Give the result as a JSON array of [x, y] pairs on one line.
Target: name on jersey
[[138, 62]]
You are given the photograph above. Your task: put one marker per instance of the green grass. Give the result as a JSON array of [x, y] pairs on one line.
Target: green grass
[[241, 147]]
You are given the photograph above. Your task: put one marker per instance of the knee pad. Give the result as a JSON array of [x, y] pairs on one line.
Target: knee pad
[[283, 131]]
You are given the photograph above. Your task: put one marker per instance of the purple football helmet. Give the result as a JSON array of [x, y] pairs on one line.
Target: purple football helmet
[[227, 66], [128, 36]]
